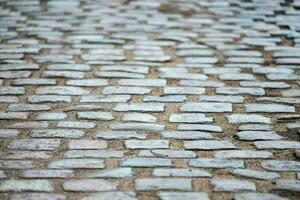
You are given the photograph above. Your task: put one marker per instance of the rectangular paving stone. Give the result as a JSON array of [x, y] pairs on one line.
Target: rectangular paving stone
[[280, 144], [111, 135], [167, 98], [241, 90], [232, 185], [27, 107], [105, 116], [281, 165], [208, 144], [87, 144], [243, 154], [286, 184], [49, 98], [221, 98], [183, 195], [144, 82], [61, 90], [7, 90], [16, 164], [177, 172], [258, 135], [29, 125], [216, 163], [104, 98], [87, 82], [145, 184], [84, 163], [248, 118], [8, 133], [190, 118], [188, 135], [57, 133], [147, 144], [112, 173], [262, 175], [26, 186], [62, 74], [34, 81], [89, 185], [125, 90], [19, 155], [268, 108], [183, 90], [139, 117], [13, 115], [76, 124], [143, 107], [34, 144], [200, 127], [206, 107], [146, 162], [51, 116], [137, 126], [93, 154], [111, 195], [47, 173]]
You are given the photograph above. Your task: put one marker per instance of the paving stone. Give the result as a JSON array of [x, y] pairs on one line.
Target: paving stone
[[196, 127], [186, 135], [34, 81], [120, 135], [47, 173], [206, 107], [163, 183], [27, 107], [62, 74], [61, 90], [241, 90], [105, 98], [231, 185], [281, 144], [13, 115], [167, 153], [137, 126], [87, 144], [84, 163], [190, 172], [167, 98], [264, 84], [208, 144], [34, 144], [51, 116], [49, 98], [146, 162], [190, 118], [143, 107], [112, 173], [144, 82], [222, 98], [8, 133], [7, 90], [257, 196], [216, 163], [138, 117], [89, 185], [93, 154], [16, 164], [29, 125], [183, 195], [76, 124], [269, 108], [111, 196], [183, 90], [95, 115], [146, 144], [258, 135], [286, 184], [125, 90], [87, 82], [255, 127], [281, 165], [57, 133], [248, 173], [26, 185], [248, 118], [243, 154]]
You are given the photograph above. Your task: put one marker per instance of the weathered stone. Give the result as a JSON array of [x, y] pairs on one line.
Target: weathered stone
[[163, 183], [26, 185], [231, 185], [208, 144], [256, 174], [216, 163], [89, 185]]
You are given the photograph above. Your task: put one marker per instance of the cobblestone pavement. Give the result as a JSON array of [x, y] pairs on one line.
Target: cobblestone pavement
[[148, 100]]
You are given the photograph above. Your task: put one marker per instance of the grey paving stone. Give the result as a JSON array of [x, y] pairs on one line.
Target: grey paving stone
[[291, 93], [112, 173], [243, 154], [47, 173], [13, 115], [34, 144], [178, 172], [209, 144], [281, 165], [62, 74], [196, 127], [139, 117], [248, 118], [93, 154], [27, 107], [29, 125], [76, 124], [282, 144], [16, 164], [120, 135], [186, 135], [26, 185], [7, 90], [147, 144], [34, 81], [87, 82], [61, 90], [125, 90], [89, 185], [144, 82], [57, 133], [255, 127], [49, 98], [18, 155], [256, 91], [286, 184], [264, 84], [167, 98], [167, 153], [8, 133], [206, 107], [271, 108], [190, 118], [51, 116], [71, 67], [258, 135], [87, 144], [232, 185], [137, 126], [163, 183], [262, 175], [84, 163], [146, 162], [183, 90], [216, 163], [143, 107], [221, 98], [104, 98], [257, 196], [37, 196], [111, 195], [105, 116]]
